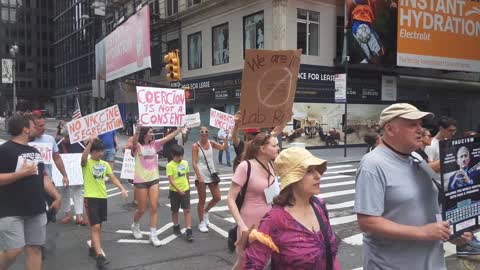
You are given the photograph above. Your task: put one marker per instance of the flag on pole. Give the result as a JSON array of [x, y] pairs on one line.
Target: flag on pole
[[77, 113]]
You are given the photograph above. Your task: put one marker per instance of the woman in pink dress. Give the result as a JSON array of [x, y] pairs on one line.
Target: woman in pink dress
[[259, 153]]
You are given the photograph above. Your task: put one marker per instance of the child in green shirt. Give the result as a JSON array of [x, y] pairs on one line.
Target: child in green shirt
[[177, 172], [95, 170]]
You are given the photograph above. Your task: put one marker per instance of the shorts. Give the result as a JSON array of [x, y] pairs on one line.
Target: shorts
[[146, 184], [177, 201], [96, 209], [109, 155], [17, 232]]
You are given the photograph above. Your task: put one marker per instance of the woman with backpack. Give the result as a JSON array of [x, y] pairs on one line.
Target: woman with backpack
[[255, 180]]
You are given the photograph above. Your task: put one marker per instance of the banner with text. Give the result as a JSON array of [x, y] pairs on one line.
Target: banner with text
[[221, 120], [73, 168], [161, 107], [128, 165], [94, 124], [193, 120], [268, 87], [45, 150], [439, 34]]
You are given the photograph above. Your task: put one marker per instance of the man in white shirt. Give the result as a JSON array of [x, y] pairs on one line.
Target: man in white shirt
[[447, 127], [222, 136]]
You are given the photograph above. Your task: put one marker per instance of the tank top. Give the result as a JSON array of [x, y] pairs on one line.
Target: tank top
[[202, 165]]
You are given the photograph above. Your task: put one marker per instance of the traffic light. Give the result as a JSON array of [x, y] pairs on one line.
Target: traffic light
[[172, 67]]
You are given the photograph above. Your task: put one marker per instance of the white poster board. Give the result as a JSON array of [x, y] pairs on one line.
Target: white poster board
[[73, 167], [221, 120], [128, 165], [45, 150], [161, 107], [192, 120]]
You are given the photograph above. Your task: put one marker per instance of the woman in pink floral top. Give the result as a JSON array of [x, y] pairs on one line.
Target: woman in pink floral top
[[292, 223]]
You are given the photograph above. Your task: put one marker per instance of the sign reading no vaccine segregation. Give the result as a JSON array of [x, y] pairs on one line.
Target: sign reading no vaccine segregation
[[221, 120], [161, 107], [268, 87], [94, 124], [440, 34]]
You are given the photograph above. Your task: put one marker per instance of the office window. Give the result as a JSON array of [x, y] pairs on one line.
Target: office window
[[220, 49], [195, 51], [307, 31], [172, 7], [253, 31], [4, 14], [173, 44], [193, 2]]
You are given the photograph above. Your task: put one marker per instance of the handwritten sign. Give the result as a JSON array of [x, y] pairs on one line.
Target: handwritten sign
[[45, 150], [161, 107], [193, 120], [73, 168], [221, 120], [128, 165], [268, 87], [94, 124]]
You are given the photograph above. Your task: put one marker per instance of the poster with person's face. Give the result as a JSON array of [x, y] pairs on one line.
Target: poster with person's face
[[460, 173]]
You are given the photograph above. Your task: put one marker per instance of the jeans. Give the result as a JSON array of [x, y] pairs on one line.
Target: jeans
[[227, 152]]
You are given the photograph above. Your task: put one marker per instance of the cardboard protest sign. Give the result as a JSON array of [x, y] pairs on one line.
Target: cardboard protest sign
[[94, 124], [45, 150], [221, 120], [161, 107], [73, 168], [460, 174], [268, 87], [128, 165], [193, 120]]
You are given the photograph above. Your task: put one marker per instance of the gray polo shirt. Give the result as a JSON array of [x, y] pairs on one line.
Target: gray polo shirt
[[397, 189]]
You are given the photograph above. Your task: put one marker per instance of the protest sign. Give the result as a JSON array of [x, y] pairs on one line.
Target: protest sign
[[94, 124], [45, 150], [268, 87], [221, 120], [128, 165], [161, 107], [460, 174], [192, 120], [73, 168]]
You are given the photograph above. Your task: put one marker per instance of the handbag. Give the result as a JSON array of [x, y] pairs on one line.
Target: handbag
[[213, 176], [232, 233], [324, 229]]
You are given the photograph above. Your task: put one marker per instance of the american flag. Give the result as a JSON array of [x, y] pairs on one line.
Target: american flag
[[77, 113]]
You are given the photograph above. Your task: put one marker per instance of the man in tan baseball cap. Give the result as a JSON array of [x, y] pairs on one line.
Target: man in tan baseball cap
[[403, 110]]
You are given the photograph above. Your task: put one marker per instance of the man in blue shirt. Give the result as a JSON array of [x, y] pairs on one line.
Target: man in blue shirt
[[110, 141]]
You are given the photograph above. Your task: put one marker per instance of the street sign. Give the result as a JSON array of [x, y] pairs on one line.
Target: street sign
[[7, 71]]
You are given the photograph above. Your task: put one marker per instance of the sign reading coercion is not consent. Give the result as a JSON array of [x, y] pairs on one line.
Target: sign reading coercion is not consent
[[221, 120], [268, 87], [94, 124], [161, 107]]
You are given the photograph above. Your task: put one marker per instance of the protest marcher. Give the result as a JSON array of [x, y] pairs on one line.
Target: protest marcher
[[298, 222], [447, 128], [74, 192], [147, 176], [222, 136], [110, 141], [396, 201], [257, 168], [95, 171], [23, 221], [426, 141], [179, 190], [372, 139], [204, 167], [60, 126]]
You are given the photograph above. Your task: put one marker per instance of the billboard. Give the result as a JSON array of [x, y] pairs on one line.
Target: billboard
[[439, 34], [126, 50]]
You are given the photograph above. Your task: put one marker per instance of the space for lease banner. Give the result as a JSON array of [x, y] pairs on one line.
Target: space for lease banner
[[440, 34]]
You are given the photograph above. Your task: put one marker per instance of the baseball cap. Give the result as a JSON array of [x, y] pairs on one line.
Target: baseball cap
[[403, 110], [292, 164], [251, 130]]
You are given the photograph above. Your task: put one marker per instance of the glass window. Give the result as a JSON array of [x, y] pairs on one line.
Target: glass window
[[4, 14], [253, 31], [220, 49], [195, 51], [193, 2], [172, 7], [308, 31]]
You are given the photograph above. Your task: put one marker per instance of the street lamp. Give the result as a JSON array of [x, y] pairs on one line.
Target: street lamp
[[13, 53]]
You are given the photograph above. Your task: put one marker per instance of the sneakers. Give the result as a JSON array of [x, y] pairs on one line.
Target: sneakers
[[176, 230], [202, 227], [101, 261], [470, 249], [205, 219], [136, 231], [154, 240], [189, 235]]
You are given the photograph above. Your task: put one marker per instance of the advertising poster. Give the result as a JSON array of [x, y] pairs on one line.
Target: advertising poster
[[460, 174]]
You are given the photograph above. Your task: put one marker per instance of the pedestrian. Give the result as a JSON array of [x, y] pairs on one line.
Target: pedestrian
[[258, 169], [204, 167], [372, 139], [144, 149], [72, 192], [110, 141], [426, 141], [396, 201], [298, 223], [222, 136], [22, 196], [447, 128], [95, 171], [60, 126], [179, 190]]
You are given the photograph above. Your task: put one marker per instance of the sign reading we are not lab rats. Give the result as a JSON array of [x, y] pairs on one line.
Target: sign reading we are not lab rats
[[161, 107]]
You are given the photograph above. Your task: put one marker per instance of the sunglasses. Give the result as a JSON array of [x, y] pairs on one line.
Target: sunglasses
[[203, 131]]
